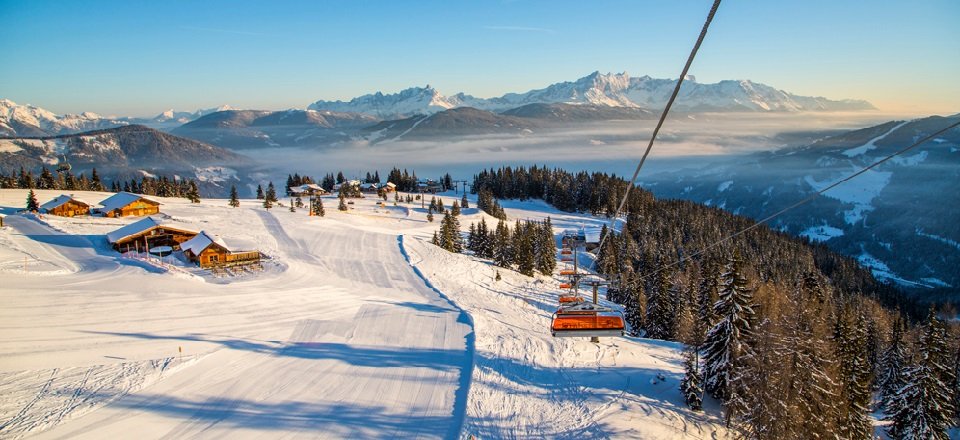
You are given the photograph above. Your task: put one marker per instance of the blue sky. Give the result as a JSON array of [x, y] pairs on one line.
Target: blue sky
[[141, 57]]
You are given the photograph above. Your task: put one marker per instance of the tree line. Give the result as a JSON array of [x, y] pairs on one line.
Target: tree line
[[160, 186]]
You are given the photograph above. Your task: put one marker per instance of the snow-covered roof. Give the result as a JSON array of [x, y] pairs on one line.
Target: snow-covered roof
[[58, 201], [140, 226], [121, 199], [370, 185], [391, 185], [201, 241], [307, 187]]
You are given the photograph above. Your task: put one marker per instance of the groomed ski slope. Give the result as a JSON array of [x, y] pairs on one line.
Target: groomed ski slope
[[356, 327]]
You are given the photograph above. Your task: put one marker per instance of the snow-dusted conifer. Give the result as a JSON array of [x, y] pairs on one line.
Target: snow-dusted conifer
[[32, 204], [855, 375], [318, 207], [893, 361], [502, 250], [193, 193], [691, 386], [924, 408], [234, 198], [726, 341], [660, 313]]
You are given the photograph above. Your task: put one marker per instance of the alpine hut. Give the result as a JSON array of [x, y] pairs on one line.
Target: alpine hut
[[125, 204], [148, 233], [65, 206], [208, 250]]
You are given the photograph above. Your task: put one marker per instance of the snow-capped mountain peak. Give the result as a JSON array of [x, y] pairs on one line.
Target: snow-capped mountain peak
[[599, 89], [29, 120]]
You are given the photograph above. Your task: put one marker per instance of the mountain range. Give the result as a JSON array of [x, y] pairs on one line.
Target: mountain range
[[603, 90], [899, 219], [594, 97], [126, 152]]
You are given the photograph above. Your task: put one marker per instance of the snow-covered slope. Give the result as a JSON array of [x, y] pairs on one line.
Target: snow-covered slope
[[338, 337], [597, 89]]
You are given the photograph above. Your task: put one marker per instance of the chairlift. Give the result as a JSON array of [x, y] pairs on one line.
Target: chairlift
[[567, 272], [584, 319], [566, 252], [565, 285], [569, 299], [566, 259], [63, 166]]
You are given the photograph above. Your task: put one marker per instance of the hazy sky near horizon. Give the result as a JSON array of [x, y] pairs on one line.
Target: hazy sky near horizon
[[142, 57]]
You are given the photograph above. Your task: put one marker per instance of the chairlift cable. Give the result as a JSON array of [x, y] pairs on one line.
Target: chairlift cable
[[663, 116], [801, 202]]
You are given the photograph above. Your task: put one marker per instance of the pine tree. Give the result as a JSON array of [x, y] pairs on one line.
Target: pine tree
[[808, 396], [892, 363], [193, 194], [343, 203], [271, 193], [464, 204], [523, 255], [234, 199], [502, 252], [318, 207], [450, 238], [436, 239], [455, 209], [430, 215], [854, 376], [260, 195], [691, 386], [32, 204], [924, 408], [661, 316], [545, 247], [726, 341]]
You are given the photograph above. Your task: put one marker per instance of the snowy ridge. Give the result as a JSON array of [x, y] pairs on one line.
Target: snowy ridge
[[872, 144], [612, 90], [28, 120]]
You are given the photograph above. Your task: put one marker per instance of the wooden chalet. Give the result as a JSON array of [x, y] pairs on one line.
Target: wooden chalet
[[208, 250], [125, 204], [65, 206], [147, 234], [390, 187], [429, 186], [308, 189], [369, 188]]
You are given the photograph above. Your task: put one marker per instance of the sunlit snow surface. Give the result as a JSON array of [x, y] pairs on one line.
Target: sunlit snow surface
[[356, 328]]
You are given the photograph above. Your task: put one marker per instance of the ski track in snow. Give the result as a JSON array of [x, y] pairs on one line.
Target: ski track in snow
[[357, 329], [872, 143]]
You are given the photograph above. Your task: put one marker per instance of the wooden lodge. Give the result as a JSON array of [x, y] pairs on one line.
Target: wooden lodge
[[429, 186], [147, 234], [208, 250], [65, 206], [125, 204], [308, 189]]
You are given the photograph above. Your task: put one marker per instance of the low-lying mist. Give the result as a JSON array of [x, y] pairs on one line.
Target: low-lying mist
[[613, 147]]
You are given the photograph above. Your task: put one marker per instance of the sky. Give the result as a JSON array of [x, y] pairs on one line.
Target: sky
[[138, 58]]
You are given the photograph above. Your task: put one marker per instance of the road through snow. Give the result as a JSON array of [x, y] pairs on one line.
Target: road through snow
[[346, 342]]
